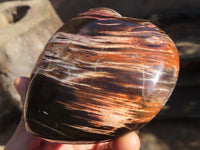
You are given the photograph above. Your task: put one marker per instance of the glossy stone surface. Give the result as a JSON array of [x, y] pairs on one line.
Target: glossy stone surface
[[100, 76]]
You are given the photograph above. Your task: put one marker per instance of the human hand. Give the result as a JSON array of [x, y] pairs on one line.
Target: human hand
[[22, 140]]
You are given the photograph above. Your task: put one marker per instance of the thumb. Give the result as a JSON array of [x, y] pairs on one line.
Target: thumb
[[130, 141]]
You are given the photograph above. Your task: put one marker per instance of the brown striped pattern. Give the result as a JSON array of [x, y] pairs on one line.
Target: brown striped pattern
[[121, 71]]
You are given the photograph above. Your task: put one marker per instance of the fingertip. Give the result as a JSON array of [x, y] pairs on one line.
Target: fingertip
[[130, 141], [17, 82], [21, 85]]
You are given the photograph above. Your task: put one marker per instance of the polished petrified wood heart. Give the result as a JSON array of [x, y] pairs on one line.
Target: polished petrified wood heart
[[100, 76]]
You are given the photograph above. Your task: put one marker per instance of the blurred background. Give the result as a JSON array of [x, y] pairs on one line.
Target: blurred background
[[26, 26]]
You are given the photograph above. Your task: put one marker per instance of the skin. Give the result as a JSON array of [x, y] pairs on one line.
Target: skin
[[22, 140]]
